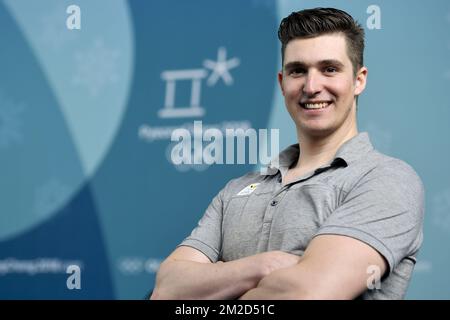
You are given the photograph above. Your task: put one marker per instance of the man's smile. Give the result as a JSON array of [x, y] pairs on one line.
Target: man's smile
[[315, 105]]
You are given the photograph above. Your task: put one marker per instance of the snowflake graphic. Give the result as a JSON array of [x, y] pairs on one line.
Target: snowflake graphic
[[10, 122], [96, 68], [381, 138], [441, 210], [54, 33], [51, 196]]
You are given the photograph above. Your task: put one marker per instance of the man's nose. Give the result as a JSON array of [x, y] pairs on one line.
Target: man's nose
[[313, 84]]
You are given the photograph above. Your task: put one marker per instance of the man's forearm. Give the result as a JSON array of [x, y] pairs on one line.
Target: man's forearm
[[194, 280], [279, 285]]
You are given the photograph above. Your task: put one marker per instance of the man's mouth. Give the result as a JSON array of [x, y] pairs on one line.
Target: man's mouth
[[309, 105]]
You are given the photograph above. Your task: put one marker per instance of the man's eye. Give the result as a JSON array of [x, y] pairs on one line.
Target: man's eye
[[296, 72], [330, 70]]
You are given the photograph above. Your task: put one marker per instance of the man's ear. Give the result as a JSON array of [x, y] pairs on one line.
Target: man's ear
[[361, 80], [280, 81]]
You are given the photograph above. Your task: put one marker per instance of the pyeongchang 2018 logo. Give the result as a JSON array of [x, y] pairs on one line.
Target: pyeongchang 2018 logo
[[200, 145]]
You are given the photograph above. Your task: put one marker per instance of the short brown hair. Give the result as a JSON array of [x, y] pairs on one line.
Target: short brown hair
[[311, 23]]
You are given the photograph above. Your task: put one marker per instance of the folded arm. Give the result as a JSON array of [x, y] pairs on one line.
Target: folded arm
[[188, 274], [333, 267]]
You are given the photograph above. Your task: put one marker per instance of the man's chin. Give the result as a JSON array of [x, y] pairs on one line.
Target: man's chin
[[316, 131]]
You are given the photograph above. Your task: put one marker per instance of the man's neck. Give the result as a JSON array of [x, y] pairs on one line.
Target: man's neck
[[317, 151]]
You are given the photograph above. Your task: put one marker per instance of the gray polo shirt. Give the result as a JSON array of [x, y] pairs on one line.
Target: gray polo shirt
[[362, 194]]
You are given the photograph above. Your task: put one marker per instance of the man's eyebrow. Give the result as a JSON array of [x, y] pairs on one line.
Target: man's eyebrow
[[294, 64], [300, 64], [331, 62]]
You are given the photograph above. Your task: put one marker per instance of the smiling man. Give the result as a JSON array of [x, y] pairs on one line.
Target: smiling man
[[335, 219]]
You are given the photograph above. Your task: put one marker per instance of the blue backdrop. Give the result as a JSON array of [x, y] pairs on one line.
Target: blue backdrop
[[86, 116]]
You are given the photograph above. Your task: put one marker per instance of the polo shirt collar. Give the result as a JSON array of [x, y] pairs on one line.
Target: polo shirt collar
[[349, 152]]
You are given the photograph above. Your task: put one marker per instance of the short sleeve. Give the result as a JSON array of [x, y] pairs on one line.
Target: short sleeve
[[207, 236], [385, 210]]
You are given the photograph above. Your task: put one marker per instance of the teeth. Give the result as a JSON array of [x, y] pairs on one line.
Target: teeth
[[316, 105]]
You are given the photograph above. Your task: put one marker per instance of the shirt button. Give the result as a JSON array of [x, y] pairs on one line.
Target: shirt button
[[274, 203]]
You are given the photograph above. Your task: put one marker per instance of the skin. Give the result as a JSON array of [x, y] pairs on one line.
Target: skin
[[319, 70], [333, 266]]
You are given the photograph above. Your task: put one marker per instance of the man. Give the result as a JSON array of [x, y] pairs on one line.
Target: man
[[335, 219]]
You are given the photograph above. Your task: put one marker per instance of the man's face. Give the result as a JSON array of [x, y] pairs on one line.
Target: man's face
[[319, 85]]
